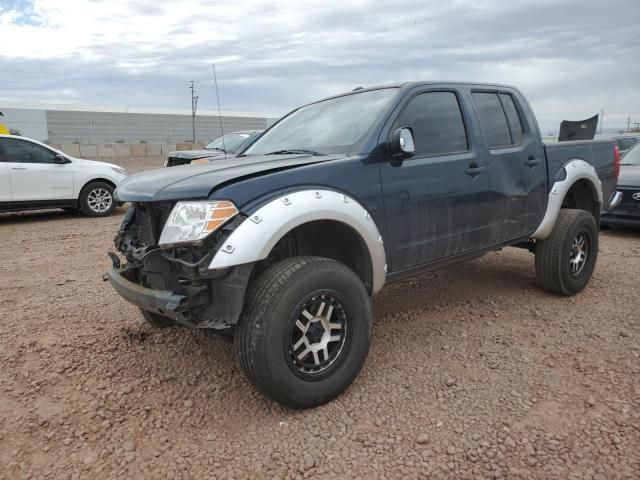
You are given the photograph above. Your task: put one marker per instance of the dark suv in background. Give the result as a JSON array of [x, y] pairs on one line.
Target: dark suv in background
[[221, 147], [627, 212]]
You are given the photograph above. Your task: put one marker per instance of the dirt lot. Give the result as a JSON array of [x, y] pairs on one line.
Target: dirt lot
[[474, 373]]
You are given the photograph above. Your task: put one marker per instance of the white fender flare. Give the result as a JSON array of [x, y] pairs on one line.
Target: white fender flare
[[575, 170], [254, 238]]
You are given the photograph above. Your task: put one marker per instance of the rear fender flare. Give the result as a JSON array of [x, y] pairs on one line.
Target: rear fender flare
[[254, 238], [575, 170]]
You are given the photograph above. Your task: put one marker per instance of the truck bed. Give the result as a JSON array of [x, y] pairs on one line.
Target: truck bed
[[598, 153]]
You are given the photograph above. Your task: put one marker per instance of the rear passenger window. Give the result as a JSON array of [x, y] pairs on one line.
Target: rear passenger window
[[436, 120], [512, 116], [493, 119]]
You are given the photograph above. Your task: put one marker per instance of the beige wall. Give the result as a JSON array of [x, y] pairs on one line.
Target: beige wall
[[113, 150]]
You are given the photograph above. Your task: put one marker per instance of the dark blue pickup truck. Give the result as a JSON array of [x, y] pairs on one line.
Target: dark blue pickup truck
[[284, 246]]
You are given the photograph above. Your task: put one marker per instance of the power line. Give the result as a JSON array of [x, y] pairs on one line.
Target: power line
[[215, 79]]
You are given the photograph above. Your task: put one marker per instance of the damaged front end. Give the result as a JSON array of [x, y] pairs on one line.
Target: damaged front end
[[175, 281]]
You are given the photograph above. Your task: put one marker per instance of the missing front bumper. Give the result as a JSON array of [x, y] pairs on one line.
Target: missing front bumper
[[214, 303], [162, 302]]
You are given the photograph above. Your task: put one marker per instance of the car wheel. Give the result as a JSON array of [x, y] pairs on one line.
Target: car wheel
[[96, 199], [566, 259], [305, 331], [156, 320]]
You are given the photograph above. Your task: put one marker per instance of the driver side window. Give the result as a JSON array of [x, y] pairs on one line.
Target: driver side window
[[437, 124], [21, 151]]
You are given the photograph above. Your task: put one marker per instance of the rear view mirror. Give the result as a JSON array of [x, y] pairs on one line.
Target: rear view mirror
[[403, 144]]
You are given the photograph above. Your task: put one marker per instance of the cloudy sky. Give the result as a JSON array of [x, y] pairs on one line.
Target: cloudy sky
[[571, 58]]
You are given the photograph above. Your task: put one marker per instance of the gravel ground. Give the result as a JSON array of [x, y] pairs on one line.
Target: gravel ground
[[474, 373]]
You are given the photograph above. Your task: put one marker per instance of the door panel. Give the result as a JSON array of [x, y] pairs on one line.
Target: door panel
[[34, 175], [434, 209], [435, 201], [517, 171]]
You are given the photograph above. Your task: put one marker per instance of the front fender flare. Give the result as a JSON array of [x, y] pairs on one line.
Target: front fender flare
[[254, 238]]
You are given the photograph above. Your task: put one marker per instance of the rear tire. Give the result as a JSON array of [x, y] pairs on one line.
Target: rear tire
[[566, 259], [156, 320], [305, 331], [96, 199]]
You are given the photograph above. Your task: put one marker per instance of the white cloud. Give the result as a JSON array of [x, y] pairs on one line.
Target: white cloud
[[571, 58]]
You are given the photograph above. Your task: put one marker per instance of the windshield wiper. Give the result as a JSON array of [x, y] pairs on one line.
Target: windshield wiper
[[293, 151], [216, 148]]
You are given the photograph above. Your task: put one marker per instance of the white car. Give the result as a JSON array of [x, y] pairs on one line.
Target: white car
[[34, 175]]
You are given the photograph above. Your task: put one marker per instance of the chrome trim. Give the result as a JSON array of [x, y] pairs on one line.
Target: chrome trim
[[576, 170], [616, 199], [253, 240]]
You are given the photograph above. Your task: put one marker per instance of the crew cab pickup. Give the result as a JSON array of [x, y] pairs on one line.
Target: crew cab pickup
[[285, 245]]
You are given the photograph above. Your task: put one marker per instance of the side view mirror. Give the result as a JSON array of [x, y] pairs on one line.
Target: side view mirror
[[402, 143], [61, 159]]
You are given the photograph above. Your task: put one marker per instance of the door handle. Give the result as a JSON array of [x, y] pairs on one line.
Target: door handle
[[532, 162], [474, 170], [18, 168]]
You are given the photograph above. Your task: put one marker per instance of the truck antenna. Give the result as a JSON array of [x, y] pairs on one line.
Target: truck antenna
[[215, 80]]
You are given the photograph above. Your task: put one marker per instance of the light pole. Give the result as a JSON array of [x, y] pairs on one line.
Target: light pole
[[91, 125], [194, 107]]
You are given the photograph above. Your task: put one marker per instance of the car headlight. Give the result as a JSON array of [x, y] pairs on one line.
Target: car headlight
[[119, 170], [193, 221]]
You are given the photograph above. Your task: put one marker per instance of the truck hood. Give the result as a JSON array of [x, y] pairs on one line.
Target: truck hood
[[629, 176], [193, 154], [197, 181]]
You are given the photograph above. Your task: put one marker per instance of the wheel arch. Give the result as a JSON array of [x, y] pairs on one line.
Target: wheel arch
[[580, 189], [96, 180], [321, 222]]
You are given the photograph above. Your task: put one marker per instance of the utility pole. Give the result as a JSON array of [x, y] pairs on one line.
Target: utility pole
[[628, 122], [91, 125], [637, 124], [194, 107]]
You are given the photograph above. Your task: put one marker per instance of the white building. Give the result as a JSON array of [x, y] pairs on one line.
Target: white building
[[89, 124]]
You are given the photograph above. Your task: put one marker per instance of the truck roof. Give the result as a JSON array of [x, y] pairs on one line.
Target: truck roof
[[409, 85]]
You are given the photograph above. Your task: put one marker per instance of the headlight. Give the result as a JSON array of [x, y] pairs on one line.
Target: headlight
[[119, 170], [193, 221]]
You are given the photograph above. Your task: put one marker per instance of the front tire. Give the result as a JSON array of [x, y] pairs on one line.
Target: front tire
[[305, 331], [96, 199], [566, 259]]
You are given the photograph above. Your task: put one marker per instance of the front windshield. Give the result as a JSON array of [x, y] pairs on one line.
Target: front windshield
[[231, 142], [336, 125], [632, 157]]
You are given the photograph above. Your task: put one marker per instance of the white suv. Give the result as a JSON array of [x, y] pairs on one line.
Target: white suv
[[34, 175]]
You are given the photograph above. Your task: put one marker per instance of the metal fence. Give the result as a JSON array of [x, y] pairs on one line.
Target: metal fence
[[110, 127]]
